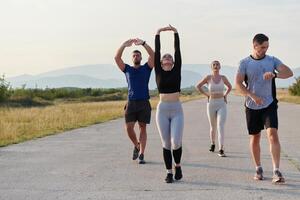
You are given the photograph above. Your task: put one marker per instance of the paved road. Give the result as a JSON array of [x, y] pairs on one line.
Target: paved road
[[94, 163]]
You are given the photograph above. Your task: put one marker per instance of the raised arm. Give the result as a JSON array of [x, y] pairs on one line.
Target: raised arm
[[176, 45], [148, 49], [118, 56], [157, 55], [177, 54]]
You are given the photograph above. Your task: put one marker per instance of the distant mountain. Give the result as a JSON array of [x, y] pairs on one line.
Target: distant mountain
[[109, 76], [94, 76], [99, 71], [19, 80], [71, 81]]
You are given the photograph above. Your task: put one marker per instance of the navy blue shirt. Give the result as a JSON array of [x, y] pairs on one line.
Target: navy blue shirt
[[138, 80]]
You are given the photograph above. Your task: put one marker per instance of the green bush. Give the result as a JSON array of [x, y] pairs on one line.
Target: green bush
[[295, 88], [43, 97], [4, 89], [189, 91], [23, 95]]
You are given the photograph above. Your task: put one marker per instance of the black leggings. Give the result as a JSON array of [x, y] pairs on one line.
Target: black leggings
[[168, 157]]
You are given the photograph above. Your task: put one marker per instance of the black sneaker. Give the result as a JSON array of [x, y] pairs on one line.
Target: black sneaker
[[178, 173], [135, 154], [212, 148], [169, 178], [141, 159], [277, 177], [221, 153], [259, 175]]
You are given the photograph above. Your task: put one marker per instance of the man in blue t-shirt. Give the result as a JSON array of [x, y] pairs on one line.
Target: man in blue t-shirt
[[138, 107], [259, 71]]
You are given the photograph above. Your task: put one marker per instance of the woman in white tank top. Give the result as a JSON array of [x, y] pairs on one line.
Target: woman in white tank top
[[216, 105]]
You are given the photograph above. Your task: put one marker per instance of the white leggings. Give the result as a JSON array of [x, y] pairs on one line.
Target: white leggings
[[216, 112], [169, 120]]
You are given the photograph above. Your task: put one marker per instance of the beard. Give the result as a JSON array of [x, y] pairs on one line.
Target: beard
[[137, 62], [261, 54]]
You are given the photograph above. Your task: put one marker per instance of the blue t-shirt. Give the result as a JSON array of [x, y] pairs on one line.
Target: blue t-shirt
[[138, 80], [254, 70]]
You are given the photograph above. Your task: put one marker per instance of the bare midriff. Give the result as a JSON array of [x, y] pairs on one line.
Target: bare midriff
[[216, 96], [169, 97]]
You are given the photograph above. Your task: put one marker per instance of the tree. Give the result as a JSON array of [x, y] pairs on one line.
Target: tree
[[4, 89], [295, 88]]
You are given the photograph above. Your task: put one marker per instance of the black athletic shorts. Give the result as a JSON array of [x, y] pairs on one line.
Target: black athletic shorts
[[258, 119], [138, 111]]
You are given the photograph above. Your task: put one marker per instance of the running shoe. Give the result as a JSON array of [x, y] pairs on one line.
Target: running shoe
[[277, 177], [259, 175], [169, 178], [178, 173], [135, 154], [221, 153], [141, 159], [212, 148]]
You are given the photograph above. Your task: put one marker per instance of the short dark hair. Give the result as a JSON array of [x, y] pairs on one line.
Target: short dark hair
[[137, 51], [260, 38]]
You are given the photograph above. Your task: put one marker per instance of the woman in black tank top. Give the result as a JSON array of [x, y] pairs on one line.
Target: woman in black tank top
[[169, 115]]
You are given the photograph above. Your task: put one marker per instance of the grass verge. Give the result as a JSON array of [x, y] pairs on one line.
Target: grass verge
[[283, 95], [18, 124]]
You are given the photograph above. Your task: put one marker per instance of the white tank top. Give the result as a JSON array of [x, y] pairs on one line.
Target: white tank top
[[216, 88]]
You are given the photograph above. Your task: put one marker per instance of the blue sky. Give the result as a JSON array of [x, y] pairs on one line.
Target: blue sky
[[43, 35]]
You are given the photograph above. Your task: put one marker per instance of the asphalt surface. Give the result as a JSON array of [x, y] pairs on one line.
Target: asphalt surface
[[95, 162]]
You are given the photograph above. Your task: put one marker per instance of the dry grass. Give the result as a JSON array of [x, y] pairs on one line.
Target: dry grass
[[21, 124], [283, 95]]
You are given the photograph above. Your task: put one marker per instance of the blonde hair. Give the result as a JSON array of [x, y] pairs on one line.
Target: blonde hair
[[215, 61]]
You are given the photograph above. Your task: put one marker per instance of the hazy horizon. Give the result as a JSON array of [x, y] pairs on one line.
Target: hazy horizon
[[67, 67], [41, 35]]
